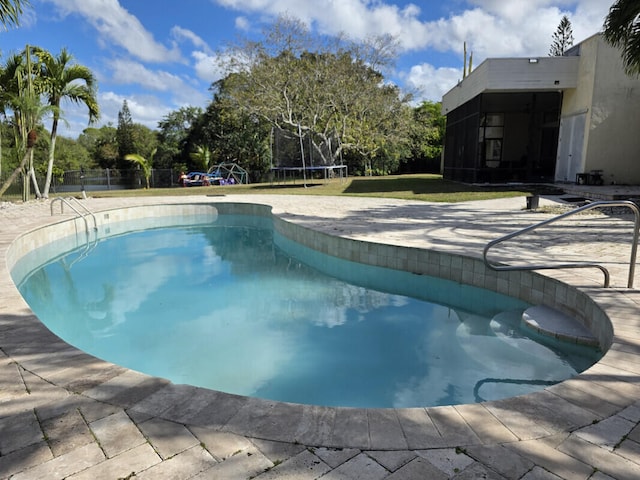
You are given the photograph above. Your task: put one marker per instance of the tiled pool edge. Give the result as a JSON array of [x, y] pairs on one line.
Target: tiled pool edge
[[403, 428]]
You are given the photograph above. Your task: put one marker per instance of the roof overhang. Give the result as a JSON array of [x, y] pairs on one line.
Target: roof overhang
[[537, 74]]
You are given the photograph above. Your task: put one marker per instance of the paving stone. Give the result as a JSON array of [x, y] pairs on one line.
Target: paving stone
[[266, 419], [89, 408], [385, 431], [538, 473], [418, 469], [418, 428], [350, 429], [243, 465], [477, 470], [484, 424], [167, 438], [125, 465], [632, 413], [11, 381], [361, 467], [182, 466], [117, 433], [607, 392], [584, 399], [222, 445], [600, 459], [202, 407], [67, 432], [606, 433], [19, 431], [335, 457], [304, 466], [164, 399], [562, 464], [278, 452], [449, 460], [566, 415], [392, 460], [316, 425], [25, 458], [635, 433], [630, 450], [601, 476], [504, 461], [524, 424], [126, 389], [454, 430], [65, 465]]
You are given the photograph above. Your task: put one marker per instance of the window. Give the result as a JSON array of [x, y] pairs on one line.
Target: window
[[490, 137]]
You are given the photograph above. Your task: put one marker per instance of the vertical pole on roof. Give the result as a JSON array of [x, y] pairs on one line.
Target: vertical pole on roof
[[304, 169]]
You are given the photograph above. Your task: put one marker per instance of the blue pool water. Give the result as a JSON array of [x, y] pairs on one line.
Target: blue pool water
[[237, 308]]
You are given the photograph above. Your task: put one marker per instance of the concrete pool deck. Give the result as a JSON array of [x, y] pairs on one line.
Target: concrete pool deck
[[64, 414]]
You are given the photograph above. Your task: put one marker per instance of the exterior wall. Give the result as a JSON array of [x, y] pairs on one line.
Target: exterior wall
[[514, 75], [609, 100], [613, 123]]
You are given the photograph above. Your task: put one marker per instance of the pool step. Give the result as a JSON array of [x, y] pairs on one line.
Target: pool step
[[548, 321]]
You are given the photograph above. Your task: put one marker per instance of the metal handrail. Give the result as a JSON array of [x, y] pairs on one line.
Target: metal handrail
[[590, 206], [66, 201]]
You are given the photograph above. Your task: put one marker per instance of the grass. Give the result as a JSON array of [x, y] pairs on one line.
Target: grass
[[425, 187]]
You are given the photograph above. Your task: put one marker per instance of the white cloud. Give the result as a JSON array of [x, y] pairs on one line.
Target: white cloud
[[117, 26], [493, 27], [431, 83], [145, 109], [180, 33], [242, 23], [206, 68]]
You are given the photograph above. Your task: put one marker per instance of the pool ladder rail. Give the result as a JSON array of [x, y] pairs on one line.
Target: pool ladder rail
[[83, 212], [589, 206]]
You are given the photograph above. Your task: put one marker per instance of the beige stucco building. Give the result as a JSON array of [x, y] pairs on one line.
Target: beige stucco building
[[573, 118]]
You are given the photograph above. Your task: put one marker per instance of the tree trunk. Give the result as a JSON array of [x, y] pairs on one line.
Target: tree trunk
[[52, 149], [12, 177]]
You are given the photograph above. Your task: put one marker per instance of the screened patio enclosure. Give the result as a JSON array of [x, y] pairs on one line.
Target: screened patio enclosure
[[503, 137]]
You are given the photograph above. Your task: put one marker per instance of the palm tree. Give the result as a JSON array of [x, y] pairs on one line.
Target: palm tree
[[144, 164], [202, 155], [622, 30], [19, 95], [10, 11], [58, 80]]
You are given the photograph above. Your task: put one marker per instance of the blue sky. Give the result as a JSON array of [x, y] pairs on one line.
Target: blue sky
[[159, 55]]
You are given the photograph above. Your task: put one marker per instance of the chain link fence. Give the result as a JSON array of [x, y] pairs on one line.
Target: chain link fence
[[90, 180]]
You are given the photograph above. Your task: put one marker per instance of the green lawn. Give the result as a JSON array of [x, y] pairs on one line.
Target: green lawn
[[430, 188]]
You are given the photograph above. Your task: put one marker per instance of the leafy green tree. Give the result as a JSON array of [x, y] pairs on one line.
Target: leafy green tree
[[174, 130], [60, 80], [71, 155], [562, 38], [427, 136], [102, 145], [622, 30], [233, 136], [10, 12], [317, 89], [144, 140]]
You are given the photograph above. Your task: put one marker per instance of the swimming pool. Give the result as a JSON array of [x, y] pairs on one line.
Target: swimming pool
[[379, 307]]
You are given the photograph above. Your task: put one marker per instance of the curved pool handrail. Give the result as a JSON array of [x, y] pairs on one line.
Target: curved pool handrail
[[67, 201], [589, 206]]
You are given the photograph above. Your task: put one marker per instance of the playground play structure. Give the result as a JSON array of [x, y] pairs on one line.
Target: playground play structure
[[229, 173]]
